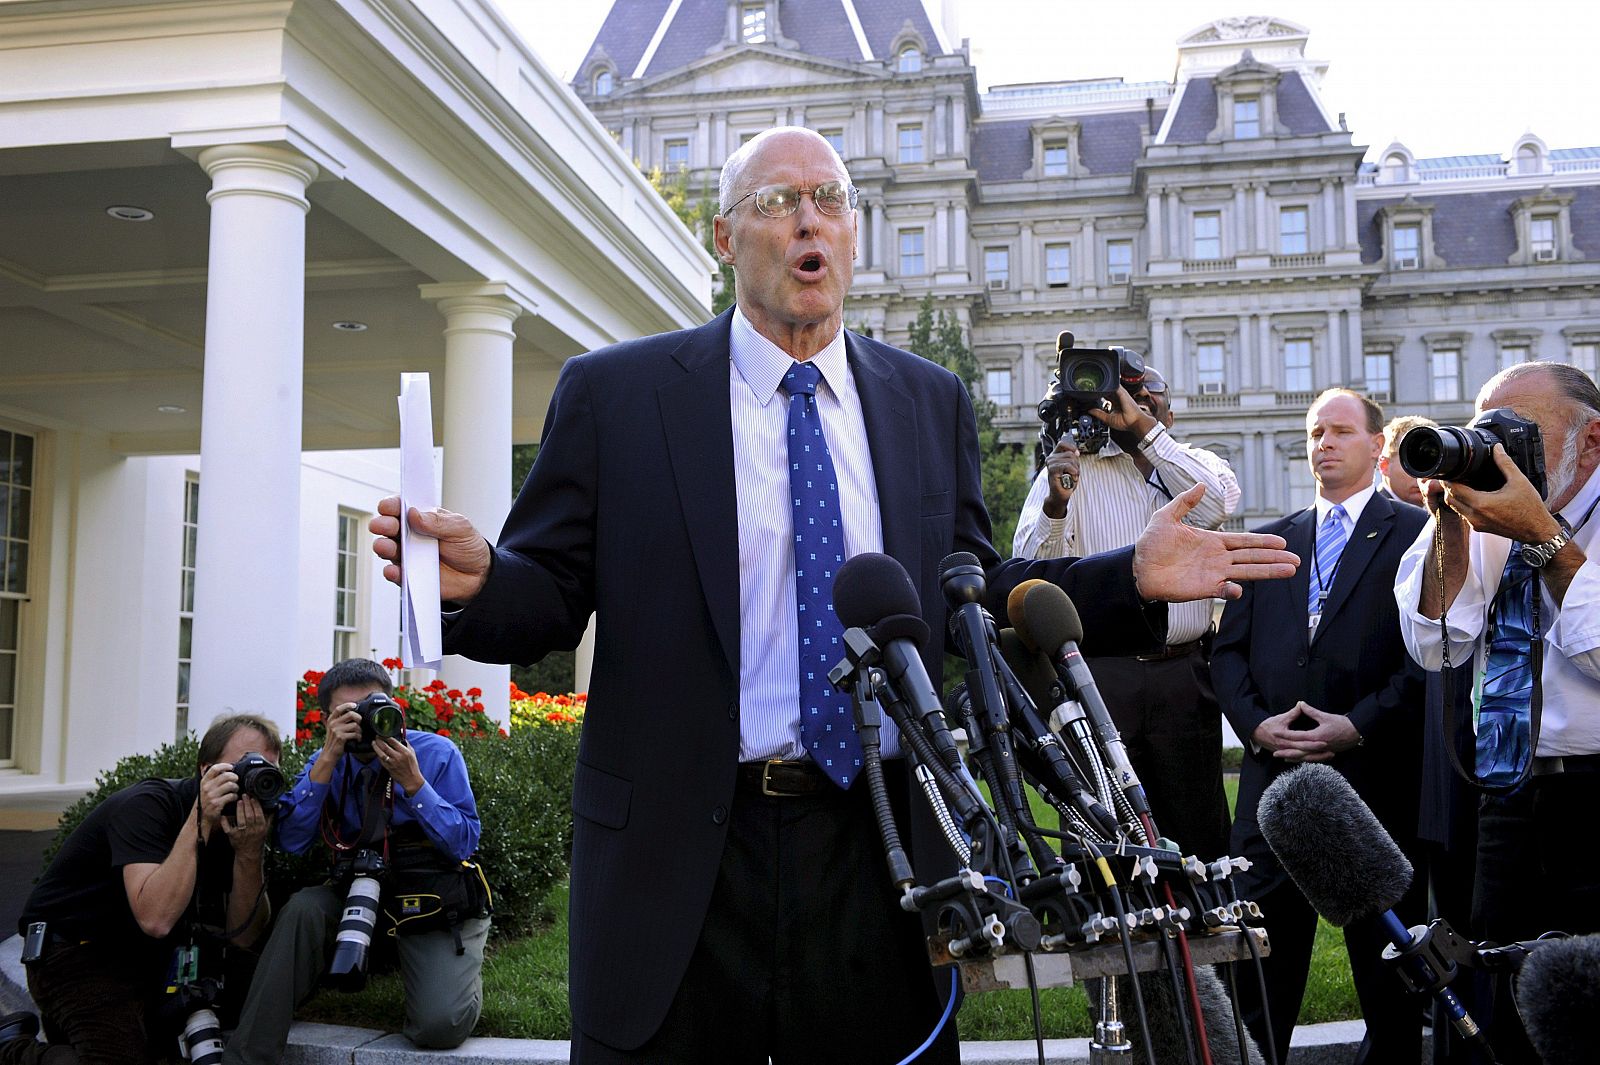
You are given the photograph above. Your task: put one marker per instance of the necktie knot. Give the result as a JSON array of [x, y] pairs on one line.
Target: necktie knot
[[802, 379], [1335, 514]]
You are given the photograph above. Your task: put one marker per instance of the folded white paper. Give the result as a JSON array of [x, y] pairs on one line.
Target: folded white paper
[[419, 572]]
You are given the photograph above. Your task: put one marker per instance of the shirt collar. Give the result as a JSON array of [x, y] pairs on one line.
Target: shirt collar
[[1352, 506], [762, 363], [1578, 507]]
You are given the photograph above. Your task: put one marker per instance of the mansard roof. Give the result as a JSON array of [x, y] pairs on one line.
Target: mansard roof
[[1476, 229], [819, 28], [1107, 144], [1298, 112]]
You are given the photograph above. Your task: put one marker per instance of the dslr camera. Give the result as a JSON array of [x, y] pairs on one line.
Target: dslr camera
[[1462, 455], [381, 718], [353, 940], [257, 777], [1085, 379]]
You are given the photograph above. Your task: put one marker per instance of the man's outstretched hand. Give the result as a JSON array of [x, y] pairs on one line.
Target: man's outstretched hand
[[463, 552], [1178, 563]]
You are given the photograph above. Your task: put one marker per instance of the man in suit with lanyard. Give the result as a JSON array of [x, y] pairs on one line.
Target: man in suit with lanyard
[[1344, 693], [729, 901], [1542, 770]]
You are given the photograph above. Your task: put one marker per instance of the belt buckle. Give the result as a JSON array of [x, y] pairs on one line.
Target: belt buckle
[[766, 778]]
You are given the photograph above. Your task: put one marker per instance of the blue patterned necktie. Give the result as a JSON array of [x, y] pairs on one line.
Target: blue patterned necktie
[[1330, 545], [827, 728], [1507, 697]]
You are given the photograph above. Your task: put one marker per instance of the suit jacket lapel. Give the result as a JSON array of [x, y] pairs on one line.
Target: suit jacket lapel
[[1377, 518], [890, 416], [1301, 538], [698, 421]]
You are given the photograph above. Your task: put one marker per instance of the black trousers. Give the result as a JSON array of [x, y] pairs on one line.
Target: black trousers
[[805, 955], [1171, 724], [1536, 873]]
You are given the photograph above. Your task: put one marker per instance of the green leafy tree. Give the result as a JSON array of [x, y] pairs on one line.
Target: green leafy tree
[[1007, 469], [696, 213]]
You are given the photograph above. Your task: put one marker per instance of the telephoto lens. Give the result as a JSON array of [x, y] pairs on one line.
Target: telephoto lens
[[202, 1038], [354, 939]]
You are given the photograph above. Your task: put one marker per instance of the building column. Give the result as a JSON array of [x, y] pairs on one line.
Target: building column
[[477, 438], [880, 254], [1329, 232], [1270, 372], [1347, 204], [962, 234], [247, 556], [1087, 265], [1153, 224], [1338, 366], [939, 254], [1264, 231], [1243, 239]]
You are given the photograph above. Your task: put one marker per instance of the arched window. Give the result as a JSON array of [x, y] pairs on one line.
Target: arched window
[[602, 83], [909, 61], [1395, 167], [1528, 161]]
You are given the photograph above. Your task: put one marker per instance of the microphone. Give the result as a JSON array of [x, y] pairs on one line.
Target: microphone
[[1347, 866], [1046, 620], [1558, 995]]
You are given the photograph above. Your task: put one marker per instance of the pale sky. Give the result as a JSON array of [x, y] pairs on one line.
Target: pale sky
[[1446, 77]]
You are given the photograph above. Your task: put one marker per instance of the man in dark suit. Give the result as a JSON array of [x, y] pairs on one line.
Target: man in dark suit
[[1312, 669], [729, 900]]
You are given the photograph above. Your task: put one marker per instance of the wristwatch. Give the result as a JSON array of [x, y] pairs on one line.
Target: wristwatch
[[1537, 555]]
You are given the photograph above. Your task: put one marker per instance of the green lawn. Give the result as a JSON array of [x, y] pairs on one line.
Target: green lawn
[[525, 994]]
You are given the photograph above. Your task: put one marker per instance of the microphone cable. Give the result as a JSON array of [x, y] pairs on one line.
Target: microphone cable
[[1109, 878], [949, 1008], [1261, 978], [1194, 1050], [1188, 960]]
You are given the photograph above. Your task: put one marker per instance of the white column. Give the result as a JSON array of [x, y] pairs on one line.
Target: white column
[[1153, 224], [477, 437], [1340, 371], [939, 254], [1027, 256], [1243, 239], [1264, 229], [1347, 204], [1329, 233], [247, 558], [961, 235]]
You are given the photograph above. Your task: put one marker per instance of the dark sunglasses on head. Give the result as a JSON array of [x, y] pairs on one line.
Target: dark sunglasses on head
[[781, 201]]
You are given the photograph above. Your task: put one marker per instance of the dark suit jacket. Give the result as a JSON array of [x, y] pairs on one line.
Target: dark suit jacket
[[629, 512], [1263, 663]]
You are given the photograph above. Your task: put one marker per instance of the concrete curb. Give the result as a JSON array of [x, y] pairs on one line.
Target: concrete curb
[[330, 1044]]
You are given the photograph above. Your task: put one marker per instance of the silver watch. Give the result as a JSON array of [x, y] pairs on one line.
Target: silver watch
[[1538, 555]]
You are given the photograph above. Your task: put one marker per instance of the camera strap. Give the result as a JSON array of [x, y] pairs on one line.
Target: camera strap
[[374, 816]]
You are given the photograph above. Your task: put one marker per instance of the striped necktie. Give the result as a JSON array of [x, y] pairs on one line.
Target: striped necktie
[[827, 728], [1506, 702], [1330, 545]]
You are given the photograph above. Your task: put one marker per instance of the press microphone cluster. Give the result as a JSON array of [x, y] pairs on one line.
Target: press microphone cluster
[[1034, 722]]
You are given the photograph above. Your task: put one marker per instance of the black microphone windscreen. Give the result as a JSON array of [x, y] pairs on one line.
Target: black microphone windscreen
[[1032, 669], [899, 627], [1047, 619], [1558, 994], [870, 587], [954, 559], [1332, 845]]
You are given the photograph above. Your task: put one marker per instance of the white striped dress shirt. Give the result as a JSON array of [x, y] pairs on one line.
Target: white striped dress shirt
[[769, 671], [1113, 503]]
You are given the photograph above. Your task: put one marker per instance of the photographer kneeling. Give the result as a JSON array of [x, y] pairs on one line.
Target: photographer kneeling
[[130, 934], [396, 810]]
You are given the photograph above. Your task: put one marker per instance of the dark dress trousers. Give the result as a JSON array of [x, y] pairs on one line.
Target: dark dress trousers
[[630, 512], [1357, 665]]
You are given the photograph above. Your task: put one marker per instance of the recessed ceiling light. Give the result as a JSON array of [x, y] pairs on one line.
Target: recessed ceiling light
[[127, 213], [171, 408], [351, 327]]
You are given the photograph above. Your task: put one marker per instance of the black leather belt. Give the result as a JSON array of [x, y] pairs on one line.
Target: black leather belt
[[1176, 650], [776, 777]]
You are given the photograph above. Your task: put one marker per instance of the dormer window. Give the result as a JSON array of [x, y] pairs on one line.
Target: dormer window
[[1407, 253], [1542, 237], [602, 83], [1407, 234], [1543, 223], [753, 24], [1246, 117], [1055, 149], [909, 60]]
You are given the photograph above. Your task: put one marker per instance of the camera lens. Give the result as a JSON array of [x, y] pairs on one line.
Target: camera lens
[[348, 969], [201, 1041], [387, 720], [1423, 451], [264, 782], [1088, 375]]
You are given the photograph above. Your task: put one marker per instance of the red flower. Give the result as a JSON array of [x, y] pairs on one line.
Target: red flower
[[477, 708], [473, 693], [299, 704], [443, 732], [504, 733], [435, 685], [313, 716], [454, 693], [302, 735], [393, 663]]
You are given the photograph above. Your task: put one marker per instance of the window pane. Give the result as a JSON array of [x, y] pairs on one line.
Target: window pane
[[16, 567], [602, 83], [1119, 260], [1208, 235], [910, 144], [185, 637], [753, 24], [1297, 366], [1055, 160], [183, 683], [1407, 245], [21, 459], [835, 137], [997, 264], [910, 61], [997, 386], [1058, 264], [9, 609], [1292, 226], [1377, 370], [912, 261], [186, 593], [1446, 376], [1513, 356], [1208, 363], [17, 527], [1247, 117], [1584, 356], [677, 154], [5, 456]]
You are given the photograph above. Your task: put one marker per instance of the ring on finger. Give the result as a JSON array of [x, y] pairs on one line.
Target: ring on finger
[[1067, 482]]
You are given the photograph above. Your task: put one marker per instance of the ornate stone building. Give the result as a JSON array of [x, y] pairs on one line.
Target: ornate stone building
[[1223, 222]]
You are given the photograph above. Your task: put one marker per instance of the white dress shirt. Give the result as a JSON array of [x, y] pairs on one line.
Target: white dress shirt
[[1570, 718], [1113, 504], [1353, 507], [769, 671]]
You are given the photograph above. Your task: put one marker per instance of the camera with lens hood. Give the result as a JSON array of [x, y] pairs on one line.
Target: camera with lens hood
[[1465, 455], [353, 940], [1085, 379]]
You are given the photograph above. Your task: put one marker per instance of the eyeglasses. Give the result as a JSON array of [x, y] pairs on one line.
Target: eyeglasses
[[781, 201], [1155, 388]]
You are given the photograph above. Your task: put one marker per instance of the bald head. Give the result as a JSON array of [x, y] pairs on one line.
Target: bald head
[[732, 184]]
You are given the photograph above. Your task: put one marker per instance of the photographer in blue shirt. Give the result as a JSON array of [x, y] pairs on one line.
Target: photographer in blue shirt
[[395, 808]]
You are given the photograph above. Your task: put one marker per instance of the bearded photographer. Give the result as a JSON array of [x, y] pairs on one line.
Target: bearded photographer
[[395, 807], [1538, 733], [161, 884], [1160, 697]]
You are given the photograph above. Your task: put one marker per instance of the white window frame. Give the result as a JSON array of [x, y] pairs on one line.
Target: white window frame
[[1585, 355], [1402, 258], [1058, 265], [1515, 354], [909, 144], [1210, 380], [1382, 383], [1246, 117], [16, 529], [1298, 375], [1444, 369], [753, 24], [668, 147], [1294, 241], [908, 60], [1057, 158], [997, 268], [1544, 248], [1205, 245], [913, 259], [835, 137], [604, 82], [347, 586], [993, 375], [186, 572], [1119, 273]]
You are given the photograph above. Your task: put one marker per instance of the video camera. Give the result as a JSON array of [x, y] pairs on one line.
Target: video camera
[[1464, 455], [1085, 379]]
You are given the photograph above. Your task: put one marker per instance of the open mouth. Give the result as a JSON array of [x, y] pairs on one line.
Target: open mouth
[[811, 264]]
